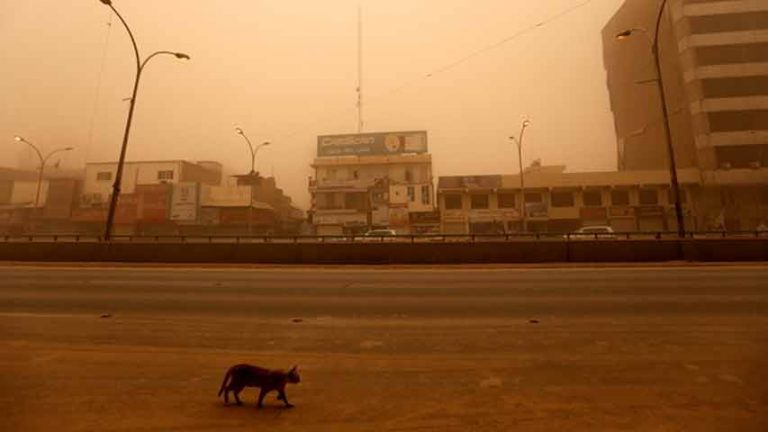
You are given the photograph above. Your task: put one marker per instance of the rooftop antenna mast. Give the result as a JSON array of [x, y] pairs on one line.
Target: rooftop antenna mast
[[359, 68]]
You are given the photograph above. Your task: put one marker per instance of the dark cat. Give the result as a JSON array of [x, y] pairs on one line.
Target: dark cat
[[243, 375]]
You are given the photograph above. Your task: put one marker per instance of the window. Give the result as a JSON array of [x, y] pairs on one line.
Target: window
[[479, 202], [104, 176], [620, 197], [562, 199], [426, 196], [534, 197], [328, 201], [356, 200], [165, 175], [411, 194], [648, 197], [453, 202], [593, 198], [355, 174], [507, 200], [408, 175]]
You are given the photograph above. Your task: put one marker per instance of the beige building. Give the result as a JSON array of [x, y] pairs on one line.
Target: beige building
[[557, 201], [714, 56], [100, 176], [379, 180]]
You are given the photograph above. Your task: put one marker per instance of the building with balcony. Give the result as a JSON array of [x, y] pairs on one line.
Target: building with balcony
[[378, 180]]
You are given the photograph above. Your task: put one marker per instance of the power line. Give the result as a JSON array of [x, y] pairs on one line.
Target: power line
[[452, 65], [98, 83]]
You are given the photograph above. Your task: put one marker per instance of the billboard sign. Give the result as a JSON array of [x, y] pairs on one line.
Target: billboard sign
[[184, 202], [383, 143]]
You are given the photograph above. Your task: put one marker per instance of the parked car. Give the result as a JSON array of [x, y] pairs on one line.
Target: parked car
[[592, 232], [378, 235]]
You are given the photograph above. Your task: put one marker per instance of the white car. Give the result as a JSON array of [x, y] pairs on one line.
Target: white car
[[378, 235], [598, 232]]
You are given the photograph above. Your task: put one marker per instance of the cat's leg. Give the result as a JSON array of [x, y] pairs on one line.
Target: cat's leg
[[226, 395], [283, 397], [262, 393], [236, 392]]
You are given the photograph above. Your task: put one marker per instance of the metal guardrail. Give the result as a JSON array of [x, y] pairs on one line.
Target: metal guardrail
[[415, 238]]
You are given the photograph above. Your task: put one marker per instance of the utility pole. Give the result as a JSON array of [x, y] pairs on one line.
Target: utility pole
[[675, 185], [43, 161], [519, 143], [359, 69]]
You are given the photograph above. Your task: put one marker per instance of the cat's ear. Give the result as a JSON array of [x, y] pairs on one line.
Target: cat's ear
[[295, 368]]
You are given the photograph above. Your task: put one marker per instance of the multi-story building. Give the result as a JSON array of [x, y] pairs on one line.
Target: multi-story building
[[556, 201], [376, 180], [714, 57]]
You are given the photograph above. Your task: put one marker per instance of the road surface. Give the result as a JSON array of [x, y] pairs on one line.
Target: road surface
[[386, 349]]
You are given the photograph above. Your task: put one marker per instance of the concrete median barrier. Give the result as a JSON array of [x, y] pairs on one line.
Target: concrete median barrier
[[705, 250]]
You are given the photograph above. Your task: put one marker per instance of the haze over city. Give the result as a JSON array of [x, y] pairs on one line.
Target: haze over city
[[287, 72]]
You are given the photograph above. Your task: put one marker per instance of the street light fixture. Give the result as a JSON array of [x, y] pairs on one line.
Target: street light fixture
[[43, 161], [254, 150], [121, 161], [519, 144], [252, 174], [675, 185]]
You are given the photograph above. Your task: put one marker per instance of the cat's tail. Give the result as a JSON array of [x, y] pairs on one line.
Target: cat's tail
[[224, 383]]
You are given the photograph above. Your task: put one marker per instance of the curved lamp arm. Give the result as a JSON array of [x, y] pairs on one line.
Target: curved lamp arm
[[178, 55], [34, 147], [130, 33], [65, 149]]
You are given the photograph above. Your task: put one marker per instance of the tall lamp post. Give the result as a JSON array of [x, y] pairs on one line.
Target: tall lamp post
[[121, 162], [43, 161], [252, 174], [519, 143], [675, 185]]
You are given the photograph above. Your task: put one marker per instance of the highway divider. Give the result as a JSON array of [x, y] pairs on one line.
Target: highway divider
[[586, 251]]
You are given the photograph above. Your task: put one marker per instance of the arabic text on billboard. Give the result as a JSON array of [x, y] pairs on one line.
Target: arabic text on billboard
[[372, 144]]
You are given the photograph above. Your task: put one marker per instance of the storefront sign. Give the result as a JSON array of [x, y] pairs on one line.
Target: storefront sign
[[594, 213], [184, 202], [621, 212]]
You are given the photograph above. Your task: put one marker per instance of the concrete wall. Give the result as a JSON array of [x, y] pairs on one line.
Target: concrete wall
[[709, 250]]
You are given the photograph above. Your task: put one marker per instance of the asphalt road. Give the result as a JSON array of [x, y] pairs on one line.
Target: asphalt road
[[398, 349]]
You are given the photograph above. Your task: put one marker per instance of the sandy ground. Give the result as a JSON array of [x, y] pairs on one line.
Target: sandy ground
[[416, 350]]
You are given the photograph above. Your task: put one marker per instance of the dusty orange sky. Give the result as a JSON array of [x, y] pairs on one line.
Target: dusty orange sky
[[285, 71]]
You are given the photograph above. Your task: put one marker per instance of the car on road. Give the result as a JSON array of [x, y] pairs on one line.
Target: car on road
[[378, 235], [599, 232]]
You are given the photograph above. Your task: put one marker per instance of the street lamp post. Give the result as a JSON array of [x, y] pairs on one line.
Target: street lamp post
[[121, 161], [519, 143], [252, 174], [659, 82], [43, 161]]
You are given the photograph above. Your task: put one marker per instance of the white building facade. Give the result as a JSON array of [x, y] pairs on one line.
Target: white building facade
[[367, 181]]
